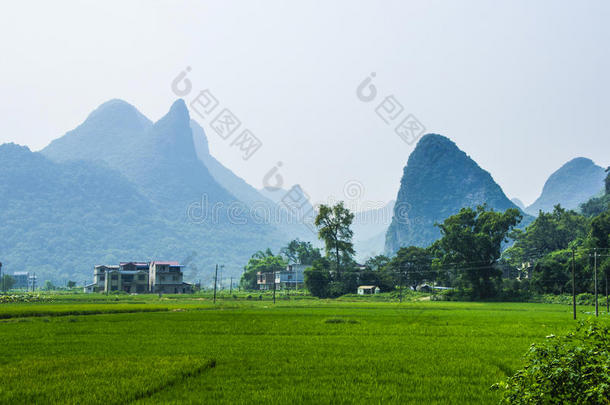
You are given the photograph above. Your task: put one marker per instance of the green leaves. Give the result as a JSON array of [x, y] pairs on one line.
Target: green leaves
[[472, 239], [333, 224], [571, 369]]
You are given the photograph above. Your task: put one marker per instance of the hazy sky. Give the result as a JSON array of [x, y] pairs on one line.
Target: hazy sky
[[521, 86]]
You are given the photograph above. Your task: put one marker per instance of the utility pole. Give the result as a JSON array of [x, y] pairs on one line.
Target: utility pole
[[231, 286], [274, 287], [402, 273], [607, 303], [595, 277], [573, 287], [215, 280]]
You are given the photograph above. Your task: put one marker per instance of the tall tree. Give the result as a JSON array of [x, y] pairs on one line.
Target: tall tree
[[334, 229], [472, 240], [301, 252], [412, 265]]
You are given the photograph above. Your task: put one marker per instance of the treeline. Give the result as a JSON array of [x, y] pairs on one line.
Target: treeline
[[481, 255]]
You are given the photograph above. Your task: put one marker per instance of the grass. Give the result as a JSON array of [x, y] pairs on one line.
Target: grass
[[250, 351]]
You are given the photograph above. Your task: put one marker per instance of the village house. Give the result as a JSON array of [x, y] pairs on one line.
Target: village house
[[368, 289], [21, 279], [140, 278], [264, 280], [291, 278]]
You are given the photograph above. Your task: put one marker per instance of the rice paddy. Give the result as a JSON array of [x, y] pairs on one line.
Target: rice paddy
[[148, 350]]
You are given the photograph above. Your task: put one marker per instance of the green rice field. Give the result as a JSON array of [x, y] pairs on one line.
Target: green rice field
[[188, 350]]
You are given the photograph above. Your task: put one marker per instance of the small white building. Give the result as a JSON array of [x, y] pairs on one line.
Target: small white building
[[368, 290]]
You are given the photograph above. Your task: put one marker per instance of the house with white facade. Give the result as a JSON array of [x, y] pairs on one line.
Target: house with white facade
[[140, 278]]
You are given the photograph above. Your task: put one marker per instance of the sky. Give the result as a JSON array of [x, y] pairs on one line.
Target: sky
[[520, 86]]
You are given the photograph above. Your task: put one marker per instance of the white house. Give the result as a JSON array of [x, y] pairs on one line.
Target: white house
[[292, 277], [368, 290]]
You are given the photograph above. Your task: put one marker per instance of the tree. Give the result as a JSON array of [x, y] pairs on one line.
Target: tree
[[334, 229], [549, 232], [596, 205], [552, 274], [600, 230], [317, 278], [375, 273], [7, 282], [48, 285], [301, 252], [261, 261], [412, 265], [607, 181], [376, 263], [71, 284], [472, 240]]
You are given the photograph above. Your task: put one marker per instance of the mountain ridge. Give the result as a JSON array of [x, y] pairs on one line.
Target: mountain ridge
[[574, 183], [142, 178], [438, 180]]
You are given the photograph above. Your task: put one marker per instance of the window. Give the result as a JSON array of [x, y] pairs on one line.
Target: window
[[114, 277], [175, 278], [162, 278], [102, 278], [142, 277]]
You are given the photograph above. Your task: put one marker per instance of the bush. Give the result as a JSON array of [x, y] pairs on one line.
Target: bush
[[571, 369], [17, 298]]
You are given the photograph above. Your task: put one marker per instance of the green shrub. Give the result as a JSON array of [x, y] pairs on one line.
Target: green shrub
[[571, 369]]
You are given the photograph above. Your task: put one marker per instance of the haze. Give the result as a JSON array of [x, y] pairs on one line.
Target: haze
[[520, 86]]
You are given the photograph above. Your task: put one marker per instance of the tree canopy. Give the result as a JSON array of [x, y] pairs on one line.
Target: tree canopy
[[334, 229], [263, 261], [301, 252], [472, 241]]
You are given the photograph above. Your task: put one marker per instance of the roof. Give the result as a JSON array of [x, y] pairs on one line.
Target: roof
[[171, 263], [367, 286], [20, 273], [135, 263]]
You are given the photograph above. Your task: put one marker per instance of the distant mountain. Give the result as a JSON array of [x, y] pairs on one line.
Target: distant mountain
[[295, 193], [224, 176], [267, 204], [159, 158], [437, 182], [295, 201], [59, 219], [518, 203], [571, 185], [370, 227], [119, 187]]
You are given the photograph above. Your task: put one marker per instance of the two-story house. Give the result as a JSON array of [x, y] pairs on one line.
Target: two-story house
[[140, 277]]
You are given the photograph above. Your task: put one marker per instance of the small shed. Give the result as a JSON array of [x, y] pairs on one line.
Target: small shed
[[368, 289]]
